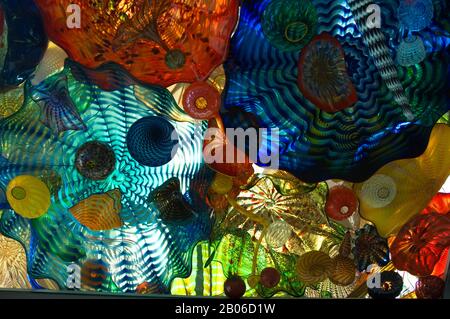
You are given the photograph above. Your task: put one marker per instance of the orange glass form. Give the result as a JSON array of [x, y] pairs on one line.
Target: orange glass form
[[421, 243], [158, 42]]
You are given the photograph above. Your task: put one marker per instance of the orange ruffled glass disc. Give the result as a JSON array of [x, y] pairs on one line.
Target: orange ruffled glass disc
[[158, 42], [439, 204], [420, 243], [201, 101]]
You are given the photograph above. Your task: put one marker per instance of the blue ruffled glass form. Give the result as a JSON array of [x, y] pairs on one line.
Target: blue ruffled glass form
[[23, 41], [94, 165], [152, 140], [415, 15], [262, 91]]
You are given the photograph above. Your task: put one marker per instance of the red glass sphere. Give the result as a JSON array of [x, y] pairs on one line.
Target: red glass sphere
[[341, 203], [234, 287], [270, 277], [201, 101]]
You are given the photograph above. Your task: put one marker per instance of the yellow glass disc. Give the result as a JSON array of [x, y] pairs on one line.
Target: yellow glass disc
[[28, 196]]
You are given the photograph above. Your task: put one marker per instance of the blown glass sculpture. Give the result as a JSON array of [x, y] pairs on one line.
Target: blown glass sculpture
[[415, 15], [99, 212], [383, 197], [94, 164], [390, 287], [157, 42], [323, 76], [28, 196], [13, 264], [341, 203], [262, 92], [411, 51], [225, 148], [201, 101], [420, 243], [314, 267], [344, 269], [289, 25], [152, 140], [375, 40], [439, 204], [22, 41], [430, 287], [370, 248]]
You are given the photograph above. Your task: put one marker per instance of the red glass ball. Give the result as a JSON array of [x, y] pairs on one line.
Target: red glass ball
[[234, 287], [201, 101], [270, 277], [430, 287], [341, 203]]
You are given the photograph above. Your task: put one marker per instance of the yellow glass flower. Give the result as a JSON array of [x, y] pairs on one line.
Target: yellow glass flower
[[403, 188]]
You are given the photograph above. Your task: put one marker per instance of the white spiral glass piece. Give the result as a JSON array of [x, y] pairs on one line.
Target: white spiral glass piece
[[278, 233], [378, 191]]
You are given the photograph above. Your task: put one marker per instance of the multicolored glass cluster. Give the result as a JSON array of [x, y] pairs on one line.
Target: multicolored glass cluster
[[134, 138]]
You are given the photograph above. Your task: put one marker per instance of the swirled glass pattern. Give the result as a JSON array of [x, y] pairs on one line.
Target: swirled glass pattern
[[262, 92], [140, 248]]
